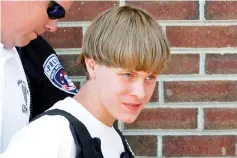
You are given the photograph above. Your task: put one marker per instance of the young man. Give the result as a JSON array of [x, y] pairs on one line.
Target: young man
[[124, 50], [21, 22]]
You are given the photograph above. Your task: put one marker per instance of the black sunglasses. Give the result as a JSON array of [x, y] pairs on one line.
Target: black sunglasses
[[55, 11]]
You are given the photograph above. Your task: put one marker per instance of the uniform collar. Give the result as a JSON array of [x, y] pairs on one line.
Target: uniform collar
[[1, 47], [7, 53]]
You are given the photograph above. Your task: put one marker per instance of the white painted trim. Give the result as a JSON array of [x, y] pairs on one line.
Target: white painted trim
[[202, 60], [74, 24], [68, 51], [84, 30], [195, 77], [164, 29], [120, 126], [121, 2], [225, 50], [176, 132], [202, 10], [161, 92], [159, 146], [198, 22], [163, 22], [188, 105], [174, 50], [200, 119]]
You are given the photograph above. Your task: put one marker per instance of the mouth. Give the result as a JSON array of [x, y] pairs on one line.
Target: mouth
[[133, 106]]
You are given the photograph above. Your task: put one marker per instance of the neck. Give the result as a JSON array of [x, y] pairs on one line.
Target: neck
[[7, 26], [88, 98], [6, 37]]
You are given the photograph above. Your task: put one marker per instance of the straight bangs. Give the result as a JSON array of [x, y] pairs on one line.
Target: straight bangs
[[128, 39]]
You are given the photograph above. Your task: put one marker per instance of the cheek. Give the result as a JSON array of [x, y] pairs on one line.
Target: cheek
[[112, 91], [115, 92], [37, 18], [39, 24], [149, 91], [34, 25]]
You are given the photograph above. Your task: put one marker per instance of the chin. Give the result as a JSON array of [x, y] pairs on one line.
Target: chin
[[128, 119]]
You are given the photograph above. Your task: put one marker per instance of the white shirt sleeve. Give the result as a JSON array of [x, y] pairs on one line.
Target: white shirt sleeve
[[1, 91], [47, 137]]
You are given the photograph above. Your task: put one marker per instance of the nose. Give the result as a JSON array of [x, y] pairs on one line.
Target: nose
[[138, 90], [51, 25]]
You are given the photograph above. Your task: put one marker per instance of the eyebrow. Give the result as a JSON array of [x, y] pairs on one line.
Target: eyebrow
[[148, 75]]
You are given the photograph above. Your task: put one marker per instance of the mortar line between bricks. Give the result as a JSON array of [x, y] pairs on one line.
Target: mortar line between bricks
[[122, 3], [224, 50], [202, 59], [159, 147], [191, 105], [202, 10], [81, 83], [205, 157], [146, 157], [175, 132], [197, 22], [84, 30], [163, 23], [161, 92], [200, 119], [164, 29], [174, 50], [195, 77], [120, 126], [68, 51]]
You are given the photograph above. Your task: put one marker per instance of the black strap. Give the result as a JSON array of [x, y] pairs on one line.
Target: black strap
[[82, 138], [128, 151], [90, 147]]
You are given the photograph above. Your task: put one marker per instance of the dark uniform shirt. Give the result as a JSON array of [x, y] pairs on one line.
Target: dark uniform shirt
[[47, 79]]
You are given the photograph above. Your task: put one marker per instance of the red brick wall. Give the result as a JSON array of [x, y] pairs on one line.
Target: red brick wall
[[193, 110]]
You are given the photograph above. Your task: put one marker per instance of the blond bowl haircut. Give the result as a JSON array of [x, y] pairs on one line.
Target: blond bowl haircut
[[126, 37]]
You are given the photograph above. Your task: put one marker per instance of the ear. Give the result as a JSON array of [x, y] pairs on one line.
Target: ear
[[90, 66]]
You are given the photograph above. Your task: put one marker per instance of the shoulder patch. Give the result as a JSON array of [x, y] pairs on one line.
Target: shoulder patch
[[55, 72]]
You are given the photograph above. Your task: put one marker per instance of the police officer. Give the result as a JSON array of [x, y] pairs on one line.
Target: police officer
[[21, 22]]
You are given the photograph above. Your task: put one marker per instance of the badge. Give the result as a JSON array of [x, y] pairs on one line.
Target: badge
[[55, 72], [25, 93]]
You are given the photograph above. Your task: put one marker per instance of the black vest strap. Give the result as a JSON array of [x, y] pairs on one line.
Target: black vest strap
[[128, 151], [81, 135], [86, 146]]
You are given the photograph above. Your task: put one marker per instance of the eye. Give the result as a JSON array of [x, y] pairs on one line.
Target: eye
[[151, 77], [127, 75]]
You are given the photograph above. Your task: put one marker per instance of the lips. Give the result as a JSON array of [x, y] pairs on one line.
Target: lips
[[132, 106]]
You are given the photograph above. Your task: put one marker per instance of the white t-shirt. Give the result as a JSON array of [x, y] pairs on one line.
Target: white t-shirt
[[14, 95], [50, 136]]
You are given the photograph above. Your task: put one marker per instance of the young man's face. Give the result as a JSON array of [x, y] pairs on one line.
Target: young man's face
[[124, 94], [30, 20]]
